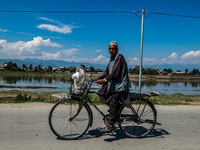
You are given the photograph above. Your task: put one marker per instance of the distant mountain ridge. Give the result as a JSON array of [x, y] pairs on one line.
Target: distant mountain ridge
[[53, 63], [62, 63]]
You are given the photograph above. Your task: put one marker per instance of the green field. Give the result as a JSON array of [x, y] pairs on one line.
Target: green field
[[42, 74], [24, 97]]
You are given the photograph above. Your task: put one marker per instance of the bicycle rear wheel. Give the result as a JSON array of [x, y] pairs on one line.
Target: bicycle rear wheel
[[140, 124], [67, 120]]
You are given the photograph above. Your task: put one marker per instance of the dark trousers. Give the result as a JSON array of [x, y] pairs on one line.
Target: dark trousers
[[114, 100], [114, 105]]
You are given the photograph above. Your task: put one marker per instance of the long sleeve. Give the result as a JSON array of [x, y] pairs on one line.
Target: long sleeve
[[118, 67], [104, 74]]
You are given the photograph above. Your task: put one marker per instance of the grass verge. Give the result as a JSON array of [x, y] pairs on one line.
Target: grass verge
[[29, 96]]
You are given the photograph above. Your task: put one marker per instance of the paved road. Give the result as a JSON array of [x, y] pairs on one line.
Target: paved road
[[26, 128]]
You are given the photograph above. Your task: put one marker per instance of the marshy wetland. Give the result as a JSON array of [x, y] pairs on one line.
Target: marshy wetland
[[40, 86]]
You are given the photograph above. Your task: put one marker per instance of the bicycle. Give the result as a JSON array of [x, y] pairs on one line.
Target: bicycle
[[71, 118]]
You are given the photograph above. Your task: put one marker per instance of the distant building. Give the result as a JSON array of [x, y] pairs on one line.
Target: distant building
[[163, 72], [59, 69], [1, 67], [179, 72]]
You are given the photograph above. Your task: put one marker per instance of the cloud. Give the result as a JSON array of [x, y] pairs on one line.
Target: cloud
[[59, 27], [66, 29], [98, 51], [133, 61], [26, 33], [3, 30], [98, 60], [76, 59], [191, 54], [22, 49], [192, 57], [174, 55], [147, 61], [50, 55], [69, 52], [49, 20]]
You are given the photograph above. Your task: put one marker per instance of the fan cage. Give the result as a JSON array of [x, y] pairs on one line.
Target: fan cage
[[78, 92]]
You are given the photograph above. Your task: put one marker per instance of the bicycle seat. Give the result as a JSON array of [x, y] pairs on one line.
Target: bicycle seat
[[139, 95]]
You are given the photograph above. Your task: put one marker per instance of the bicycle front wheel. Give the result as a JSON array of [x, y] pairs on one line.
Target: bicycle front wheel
[[69, 120], [140, 124]]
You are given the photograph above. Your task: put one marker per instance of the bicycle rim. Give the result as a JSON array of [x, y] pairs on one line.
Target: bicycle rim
[[134, 126], [61, 122]]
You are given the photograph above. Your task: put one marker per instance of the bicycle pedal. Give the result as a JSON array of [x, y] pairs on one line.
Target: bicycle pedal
[[112, 133], [157, 123]]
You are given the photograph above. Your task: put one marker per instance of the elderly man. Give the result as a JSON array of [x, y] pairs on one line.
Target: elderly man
[[116, 85]]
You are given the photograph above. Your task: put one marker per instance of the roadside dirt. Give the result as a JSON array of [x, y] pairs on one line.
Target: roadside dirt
[[45, 105], [26, 105]]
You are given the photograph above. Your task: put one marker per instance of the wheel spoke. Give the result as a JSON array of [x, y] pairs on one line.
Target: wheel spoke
[[141, 125], [61, 123]]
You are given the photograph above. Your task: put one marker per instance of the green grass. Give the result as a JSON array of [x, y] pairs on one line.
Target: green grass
[[176, 99], [24, 73], [95, 98], [29, 96]]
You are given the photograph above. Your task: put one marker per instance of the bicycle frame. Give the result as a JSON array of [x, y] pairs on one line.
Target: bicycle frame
[[137, 119], [85, 98]]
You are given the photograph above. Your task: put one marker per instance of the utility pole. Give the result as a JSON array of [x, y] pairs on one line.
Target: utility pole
[[41, 63], [141, 50]]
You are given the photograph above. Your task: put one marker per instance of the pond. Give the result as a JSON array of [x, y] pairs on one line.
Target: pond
[[63, 84]]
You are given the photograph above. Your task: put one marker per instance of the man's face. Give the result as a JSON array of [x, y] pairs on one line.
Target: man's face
[[113, 49]]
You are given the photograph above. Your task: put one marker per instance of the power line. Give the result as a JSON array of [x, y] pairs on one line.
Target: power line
[[137, 15], [52, 11], [173, 14], [87, 12]]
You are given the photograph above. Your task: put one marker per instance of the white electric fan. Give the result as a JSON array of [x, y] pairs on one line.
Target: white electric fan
[[79, 79]]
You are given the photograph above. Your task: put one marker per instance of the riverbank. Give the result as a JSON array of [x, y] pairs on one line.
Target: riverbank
[[48, 97], [34, 74], [156, 78], [160, 78]]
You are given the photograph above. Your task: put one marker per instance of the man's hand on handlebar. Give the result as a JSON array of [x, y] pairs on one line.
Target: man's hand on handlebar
[[99, 81], [94, 79]]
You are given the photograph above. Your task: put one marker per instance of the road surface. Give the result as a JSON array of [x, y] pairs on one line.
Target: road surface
[[25, 127]]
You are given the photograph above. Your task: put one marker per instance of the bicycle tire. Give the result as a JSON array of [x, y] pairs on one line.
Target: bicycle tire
[[129, 123], [61, 123]]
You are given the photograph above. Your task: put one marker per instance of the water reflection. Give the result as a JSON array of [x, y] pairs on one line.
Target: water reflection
[[187, 88], [64, 83], [49, 80]]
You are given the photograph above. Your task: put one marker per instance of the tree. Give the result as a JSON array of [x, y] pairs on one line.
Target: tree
[[50, 68], [195, 72], [134, 70], [165, 69], [24, 67], [11, 66], [169, 70], [186, 70], [39, 67], [30, 67], [72, 69], [151, 71], [92, 69], [83, 66]]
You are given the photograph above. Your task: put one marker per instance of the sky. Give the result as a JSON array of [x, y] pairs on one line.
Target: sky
[[84, 37]]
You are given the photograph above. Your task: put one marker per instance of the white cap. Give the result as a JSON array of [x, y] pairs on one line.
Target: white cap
[[113, 43]]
